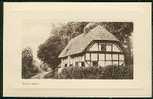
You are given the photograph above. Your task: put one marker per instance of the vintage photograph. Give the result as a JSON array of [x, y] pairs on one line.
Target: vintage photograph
[[77, 50]]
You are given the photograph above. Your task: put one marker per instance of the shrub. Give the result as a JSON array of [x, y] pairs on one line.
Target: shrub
[[92, 72], [80, 72], [108, 72], [117, 72], [76, 72]]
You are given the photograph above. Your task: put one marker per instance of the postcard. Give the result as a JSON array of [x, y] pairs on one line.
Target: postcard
[[77, 49]]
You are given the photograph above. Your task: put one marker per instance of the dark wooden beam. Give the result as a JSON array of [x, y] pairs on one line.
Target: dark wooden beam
[[104, 52]]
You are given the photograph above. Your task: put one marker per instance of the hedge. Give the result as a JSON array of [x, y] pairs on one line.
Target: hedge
[[108, 72]]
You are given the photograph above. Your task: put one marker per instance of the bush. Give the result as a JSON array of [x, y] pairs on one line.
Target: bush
[[117, 72], [93, 72], [79, 72], [108, 72]]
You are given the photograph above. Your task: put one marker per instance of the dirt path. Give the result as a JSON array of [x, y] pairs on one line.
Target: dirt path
[[40, 75]]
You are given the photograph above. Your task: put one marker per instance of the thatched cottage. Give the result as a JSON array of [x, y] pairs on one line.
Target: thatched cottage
[[98, 47]]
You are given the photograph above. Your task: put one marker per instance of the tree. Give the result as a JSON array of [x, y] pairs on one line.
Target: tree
[[28, 68], [48, 51]]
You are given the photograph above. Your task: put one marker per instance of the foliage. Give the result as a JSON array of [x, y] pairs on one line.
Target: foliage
[[28, 68], [45, 67], [49, 51], [108, 72]]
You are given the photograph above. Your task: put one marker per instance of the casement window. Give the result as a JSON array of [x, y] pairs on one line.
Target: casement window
[[121, 57], [87, 56], [102, 57], [108, 57], [94, 56], [108, 47], [115, 57], [65, 65], [82, 64]]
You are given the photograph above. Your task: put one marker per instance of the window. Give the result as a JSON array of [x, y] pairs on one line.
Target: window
[[115, 56], [108, 57], [95, 63], [101, 57], [102, 47], [79, 64], [65, 65], [121, 57], [87, 56], [109, 47], [82, 64], [94, 56]]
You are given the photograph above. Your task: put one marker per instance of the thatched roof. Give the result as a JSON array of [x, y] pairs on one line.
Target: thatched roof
[[79, 43]]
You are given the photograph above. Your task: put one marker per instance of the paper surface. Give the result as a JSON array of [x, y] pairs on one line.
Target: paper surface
[[16, 15]]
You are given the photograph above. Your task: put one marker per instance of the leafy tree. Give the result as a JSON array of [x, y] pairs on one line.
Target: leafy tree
[[69, 30], [48, 51], [28, 68]]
